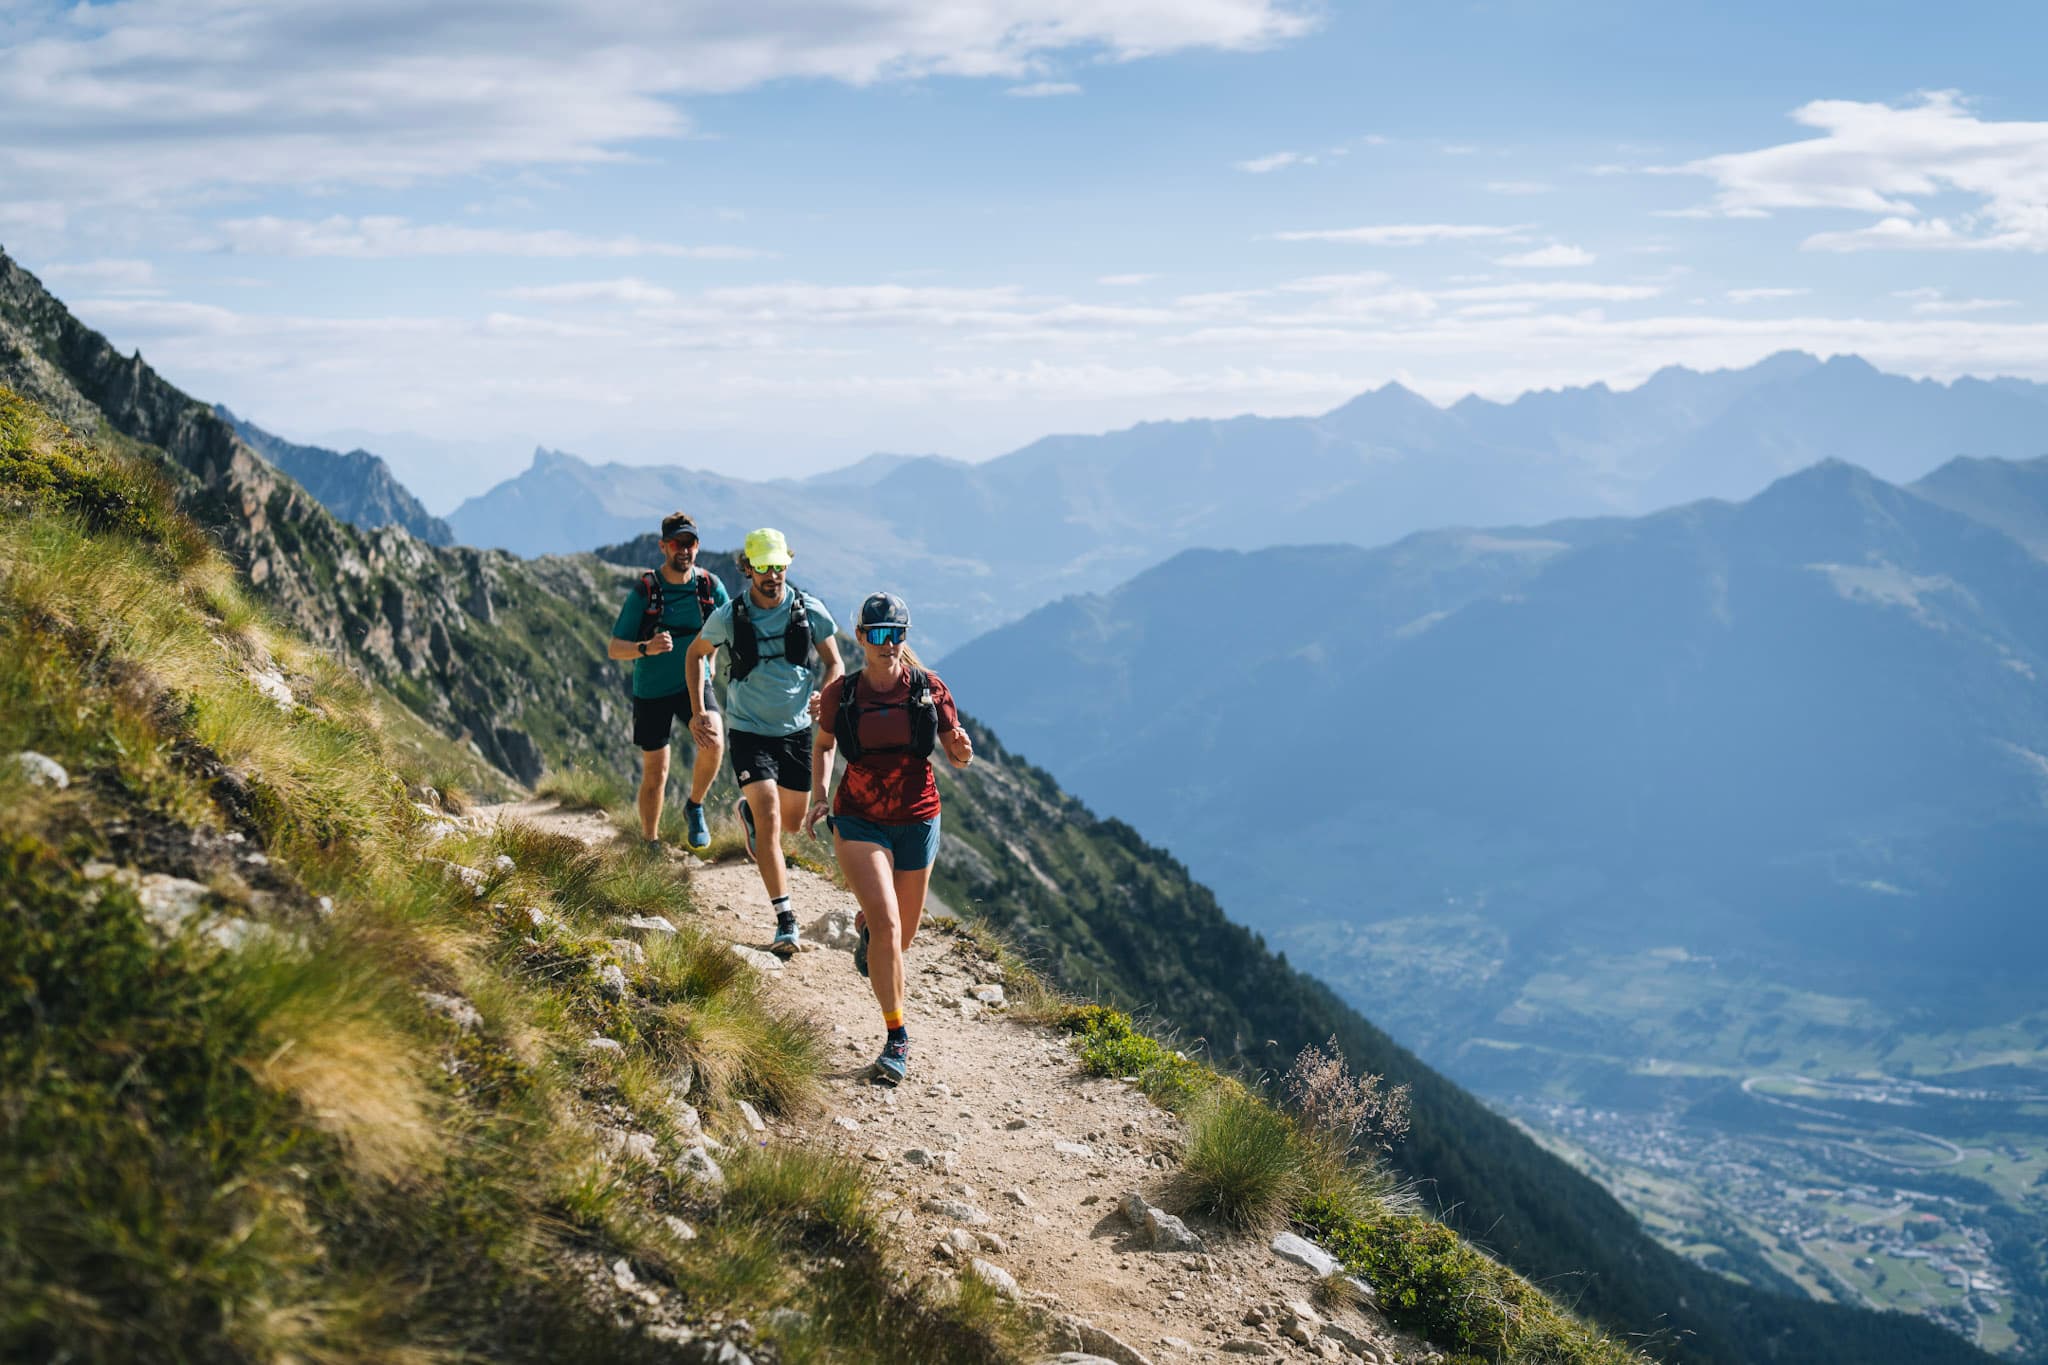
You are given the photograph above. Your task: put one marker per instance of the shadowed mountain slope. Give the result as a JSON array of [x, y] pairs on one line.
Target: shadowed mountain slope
[[358, 487]]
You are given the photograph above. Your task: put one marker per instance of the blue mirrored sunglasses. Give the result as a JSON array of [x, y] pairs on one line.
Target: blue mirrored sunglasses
[[884, 635]]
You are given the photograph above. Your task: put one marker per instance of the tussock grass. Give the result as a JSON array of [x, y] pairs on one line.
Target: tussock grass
[[1241, 1165]]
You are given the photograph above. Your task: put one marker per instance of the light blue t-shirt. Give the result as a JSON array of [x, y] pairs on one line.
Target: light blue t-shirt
[[775, 698]]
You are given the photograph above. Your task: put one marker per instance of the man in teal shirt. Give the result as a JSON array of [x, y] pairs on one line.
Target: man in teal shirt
[[780, 652], [662, 689]]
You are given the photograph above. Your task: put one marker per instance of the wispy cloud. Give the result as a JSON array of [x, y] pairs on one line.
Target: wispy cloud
[[1555, 256], [1261, 165], [146, 99], [1039, 90], [1125, 281], [1403, 234], [1930, 301], [1765, 293], [1890, 162], [383, 237], [1519, 187]]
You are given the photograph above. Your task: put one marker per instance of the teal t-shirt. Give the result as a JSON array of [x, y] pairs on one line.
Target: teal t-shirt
[[662, 675], [775, 698]]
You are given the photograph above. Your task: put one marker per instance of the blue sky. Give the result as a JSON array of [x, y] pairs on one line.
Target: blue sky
[[769, 239]]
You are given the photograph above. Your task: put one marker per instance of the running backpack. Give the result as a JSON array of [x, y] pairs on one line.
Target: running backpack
[[797, 645], [654, 588], [924, 718]]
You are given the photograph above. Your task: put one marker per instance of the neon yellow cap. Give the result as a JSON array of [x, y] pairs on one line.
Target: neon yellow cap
[[766, 549]]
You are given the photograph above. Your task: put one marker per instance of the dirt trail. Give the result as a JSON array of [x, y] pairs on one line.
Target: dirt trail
[[997, 1121]]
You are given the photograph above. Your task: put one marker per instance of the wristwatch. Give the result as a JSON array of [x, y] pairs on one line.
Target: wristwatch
[[642, 648]]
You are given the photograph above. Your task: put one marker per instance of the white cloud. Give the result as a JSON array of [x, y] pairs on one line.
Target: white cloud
[[1928, 301], [377, 238], [1039, 90], [1518, 187], [1124, 281], [626, 291], [1559, 292], [1889, 162], [1402, 234], [133, 100], [1555, 256], [1764, 293], [1261, 165]]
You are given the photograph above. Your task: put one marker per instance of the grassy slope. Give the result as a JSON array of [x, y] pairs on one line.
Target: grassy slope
[[279, 1151]]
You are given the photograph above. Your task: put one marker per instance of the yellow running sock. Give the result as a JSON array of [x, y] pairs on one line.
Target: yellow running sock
[[892, 1019]]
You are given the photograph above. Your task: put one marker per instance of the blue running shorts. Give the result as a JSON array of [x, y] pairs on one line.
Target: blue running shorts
[[912, 847]]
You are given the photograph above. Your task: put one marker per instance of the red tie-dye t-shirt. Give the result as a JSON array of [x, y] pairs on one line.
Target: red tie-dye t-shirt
[[888, 788]]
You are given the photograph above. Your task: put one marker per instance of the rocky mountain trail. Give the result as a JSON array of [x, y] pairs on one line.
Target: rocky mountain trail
[[999, 1158]]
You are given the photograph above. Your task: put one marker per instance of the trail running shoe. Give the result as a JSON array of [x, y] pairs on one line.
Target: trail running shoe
[[893, 1065], [860, 953], [786, 943], [698, 828], [746, 814]]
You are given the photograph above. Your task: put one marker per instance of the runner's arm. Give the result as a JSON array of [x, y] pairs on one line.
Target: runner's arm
[[823, 744], [616, 648], [828, 654]]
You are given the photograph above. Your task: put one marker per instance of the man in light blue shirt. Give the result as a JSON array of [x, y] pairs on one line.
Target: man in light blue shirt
[[779, 654]]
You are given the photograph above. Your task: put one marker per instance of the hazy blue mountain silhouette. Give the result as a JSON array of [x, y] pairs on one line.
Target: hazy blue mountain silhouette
[[1073, 514], [1808, 729], [357, 486]]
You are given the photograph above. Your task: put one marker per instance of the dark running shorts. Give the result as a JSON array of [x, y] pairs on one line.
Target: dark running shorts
[[654, 716], [912, 847], [783, 759]]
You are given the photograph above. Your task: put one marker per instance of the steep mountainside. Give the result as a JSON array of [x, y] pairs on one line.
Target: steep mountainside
[[1122, 919], [1743, 729], [357, 487], [981, 544]]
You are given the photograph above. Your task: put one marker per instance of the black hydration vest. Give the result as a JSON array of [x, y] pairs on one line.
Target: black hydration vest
[[924, 718], [655, 589], [797, 645]]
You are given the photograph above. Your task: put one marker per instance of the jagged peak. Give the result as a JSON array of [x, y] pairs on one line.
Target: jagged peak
[[545, 460]]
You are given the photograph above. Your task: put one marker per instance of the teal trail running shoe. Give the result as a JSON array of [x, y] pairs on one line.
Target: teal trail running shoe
[[786, 943], [893, 1065], [698, 828]]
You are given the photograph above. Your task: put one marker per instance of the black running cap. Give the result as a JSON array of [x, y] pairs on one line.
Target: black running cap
[[884, 609], [676, 524]]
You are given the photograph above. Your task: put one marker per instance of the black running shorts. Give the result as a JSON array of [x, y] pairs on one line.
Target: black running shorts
[[783, 759], [653, 717]]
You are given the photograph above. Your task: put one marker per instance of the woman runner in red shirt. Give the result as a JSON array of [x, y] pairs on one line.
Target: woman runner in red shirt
[[885, 823]]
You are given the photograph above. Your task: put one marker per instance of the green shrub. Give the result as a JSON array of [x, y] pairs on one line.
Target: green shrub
[[1112, 1046]]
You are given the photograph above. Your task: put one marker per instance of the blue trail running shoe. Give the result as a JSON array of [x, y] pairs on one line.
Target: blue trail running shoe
[[893, 1065], [785, 943], [698, 828], [860, 953], [746, 814]]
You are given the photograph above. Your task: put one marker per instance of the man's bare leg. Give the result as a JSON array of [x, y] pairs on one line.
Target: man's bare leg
[[653, 785]]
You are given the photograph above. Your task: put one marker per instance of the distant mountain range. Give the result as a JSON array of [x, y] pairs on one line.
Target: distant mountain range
[[358, 487], [507, 656], [972, 546], [1804, 737]]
